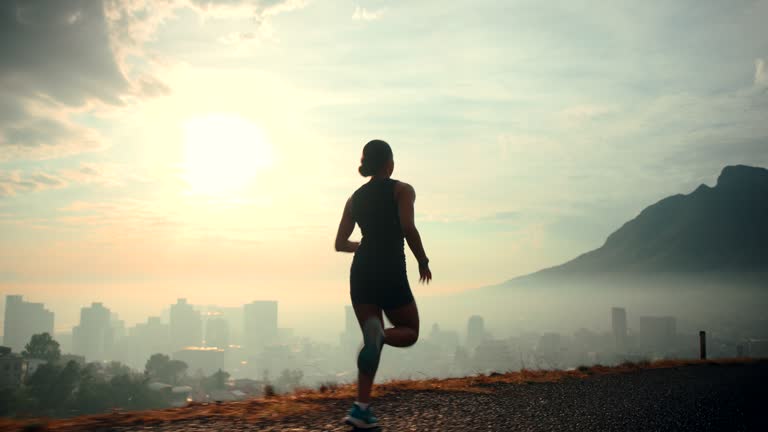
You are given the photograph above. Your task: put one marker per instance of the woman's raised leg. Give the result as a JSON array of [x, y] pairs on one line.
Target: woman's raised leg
[[406, 326]]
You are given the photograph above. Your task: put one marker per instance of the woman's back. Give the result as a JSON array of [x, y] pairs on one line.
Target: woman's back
[[375, 210]]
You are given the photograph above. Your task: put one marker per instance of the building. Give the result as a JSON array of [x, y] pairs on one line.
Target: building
[[186, 326], [475, 331], [64, 338], [259, 324], [494, 356], [445, 340], [350, 337], [619, 328], [13, 369], [207, 360], [216, 332], [93, 337], [657, 333], [145, 339], [24, 319], [350, 320], [118, 328], [757, 348]]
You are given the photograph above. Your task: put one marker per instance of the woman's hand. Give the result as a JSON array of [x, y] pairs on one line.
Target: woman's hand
[[425, 274]]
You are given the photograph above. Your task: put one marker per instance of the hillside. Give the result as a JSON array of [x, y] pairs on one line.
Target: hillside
[[713, 229], [668, 395]]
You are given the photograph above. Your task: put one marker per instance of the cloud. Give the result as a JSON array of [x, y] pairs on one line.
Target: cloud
[[42, 133], [16, 182], [13, 182], [761, 72], [260, 11], [528, 147], [62, 57], [60, 49], [235, 38], [506, 215], [578, 114], [59, 58], [363, 14]]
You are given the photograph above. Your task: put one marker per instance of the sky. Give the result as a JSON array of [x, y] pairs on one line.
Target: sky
[[151, 150]]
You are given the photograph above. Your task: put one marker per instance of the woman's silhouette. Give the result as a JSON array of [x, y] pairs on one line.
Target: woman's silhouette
[[383, 208]]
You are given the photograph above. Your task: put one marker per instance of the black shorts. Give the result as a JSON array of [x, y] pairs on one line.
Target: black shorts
[[384, 286]]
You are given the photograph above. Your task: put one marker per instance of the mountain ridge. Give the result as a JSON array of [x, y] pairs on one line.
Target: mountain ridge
[[720, 229]]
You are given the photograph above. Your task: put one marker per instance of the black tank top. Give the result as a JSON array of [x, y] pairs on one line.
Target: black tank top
[[375, 210]]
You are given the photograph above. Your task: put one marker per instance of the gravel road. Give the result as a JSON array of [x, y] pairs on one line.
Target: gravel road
[[690, 398]]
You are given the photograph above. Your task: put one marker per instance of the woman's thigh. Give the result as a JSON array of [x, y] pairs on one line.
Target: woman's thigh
[[404, 316], [363, 311]]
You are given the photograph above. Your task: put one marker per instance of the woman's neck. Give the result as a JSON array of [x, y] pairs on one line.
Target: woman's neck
[[379, 177]]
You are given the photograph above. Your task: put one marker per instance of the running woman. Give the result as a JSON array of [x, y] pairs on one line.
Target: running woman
[[383, 208]]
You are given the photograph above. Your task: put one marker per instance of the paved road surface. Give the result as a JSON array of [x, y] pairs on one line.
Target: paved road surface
[[691, 398]]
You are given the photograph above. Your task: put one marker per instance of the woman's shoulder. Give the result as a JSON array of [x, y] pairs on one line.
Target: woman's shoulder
[[401, 186]]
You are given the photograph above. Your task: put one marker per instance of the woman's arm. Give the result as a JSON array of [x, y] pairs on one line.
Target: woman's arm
[[346, 226], [406, 198]]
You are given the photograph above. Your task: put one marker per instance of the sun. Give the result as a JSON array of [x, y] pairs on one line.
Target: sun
[[223, 153]]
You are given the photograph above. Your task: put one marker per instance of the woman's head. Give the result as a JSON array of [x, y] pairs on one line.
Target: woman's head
[[377, 157]]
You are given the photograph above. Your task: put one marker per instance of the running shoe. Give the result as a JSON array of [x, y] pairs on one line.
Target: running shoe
[[361, 418], [370, 353]]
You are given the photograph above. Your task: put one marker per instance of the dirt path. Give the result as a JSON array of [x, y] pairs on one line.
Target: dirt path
[[689, 398]]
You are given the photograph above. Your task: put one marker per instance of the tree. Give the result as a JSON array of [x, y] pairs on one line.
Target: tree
[[115, 368], [131, 392], [42, 346], [175, 370], [160, 367], [52, 385], [217, 381], [155, 365], [289, 379], [220, 378]]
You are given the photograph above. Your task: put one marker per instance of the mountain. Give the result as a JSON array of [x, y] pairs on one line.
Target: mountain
[[701, 257], [711, 230]]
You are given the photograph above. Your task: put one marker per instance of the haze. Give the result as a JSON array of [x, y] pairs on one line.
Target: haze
[[204, 150]]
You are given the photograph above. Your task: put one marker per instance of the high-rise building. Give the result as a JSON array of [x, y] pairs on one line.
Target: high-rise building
[[444, 339], [145, 339], [475, 331], [259, 324], [619, 328], [24, 319], [186, 326], [658, 333], [216, 332], [93, 337], [350, 320], [205, 359], [493, 355], [351, 335]]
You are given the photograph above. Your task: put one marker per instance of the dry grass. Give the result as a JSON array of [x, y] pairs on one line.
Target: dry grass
[[303, 400]]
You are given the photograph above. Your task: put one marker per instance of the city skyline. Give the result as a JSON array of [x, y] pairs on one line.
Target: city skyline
[[265, 322], [101, 342]]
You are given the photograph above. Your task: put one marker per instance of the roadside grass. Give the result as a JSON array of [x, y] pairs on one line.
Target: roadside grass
[[302, 400]]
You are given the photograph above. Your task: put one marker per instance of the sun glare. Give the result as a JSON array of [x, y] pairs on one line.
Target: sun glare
[[223, 153]]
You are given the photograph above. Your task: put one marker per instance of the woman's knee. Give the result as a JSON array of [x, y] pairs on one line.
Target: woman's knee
[[414, 337]]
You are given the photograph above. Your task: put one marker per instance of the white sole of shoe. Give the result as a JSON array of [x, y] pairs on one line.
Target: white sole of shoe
[[359, 423]]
